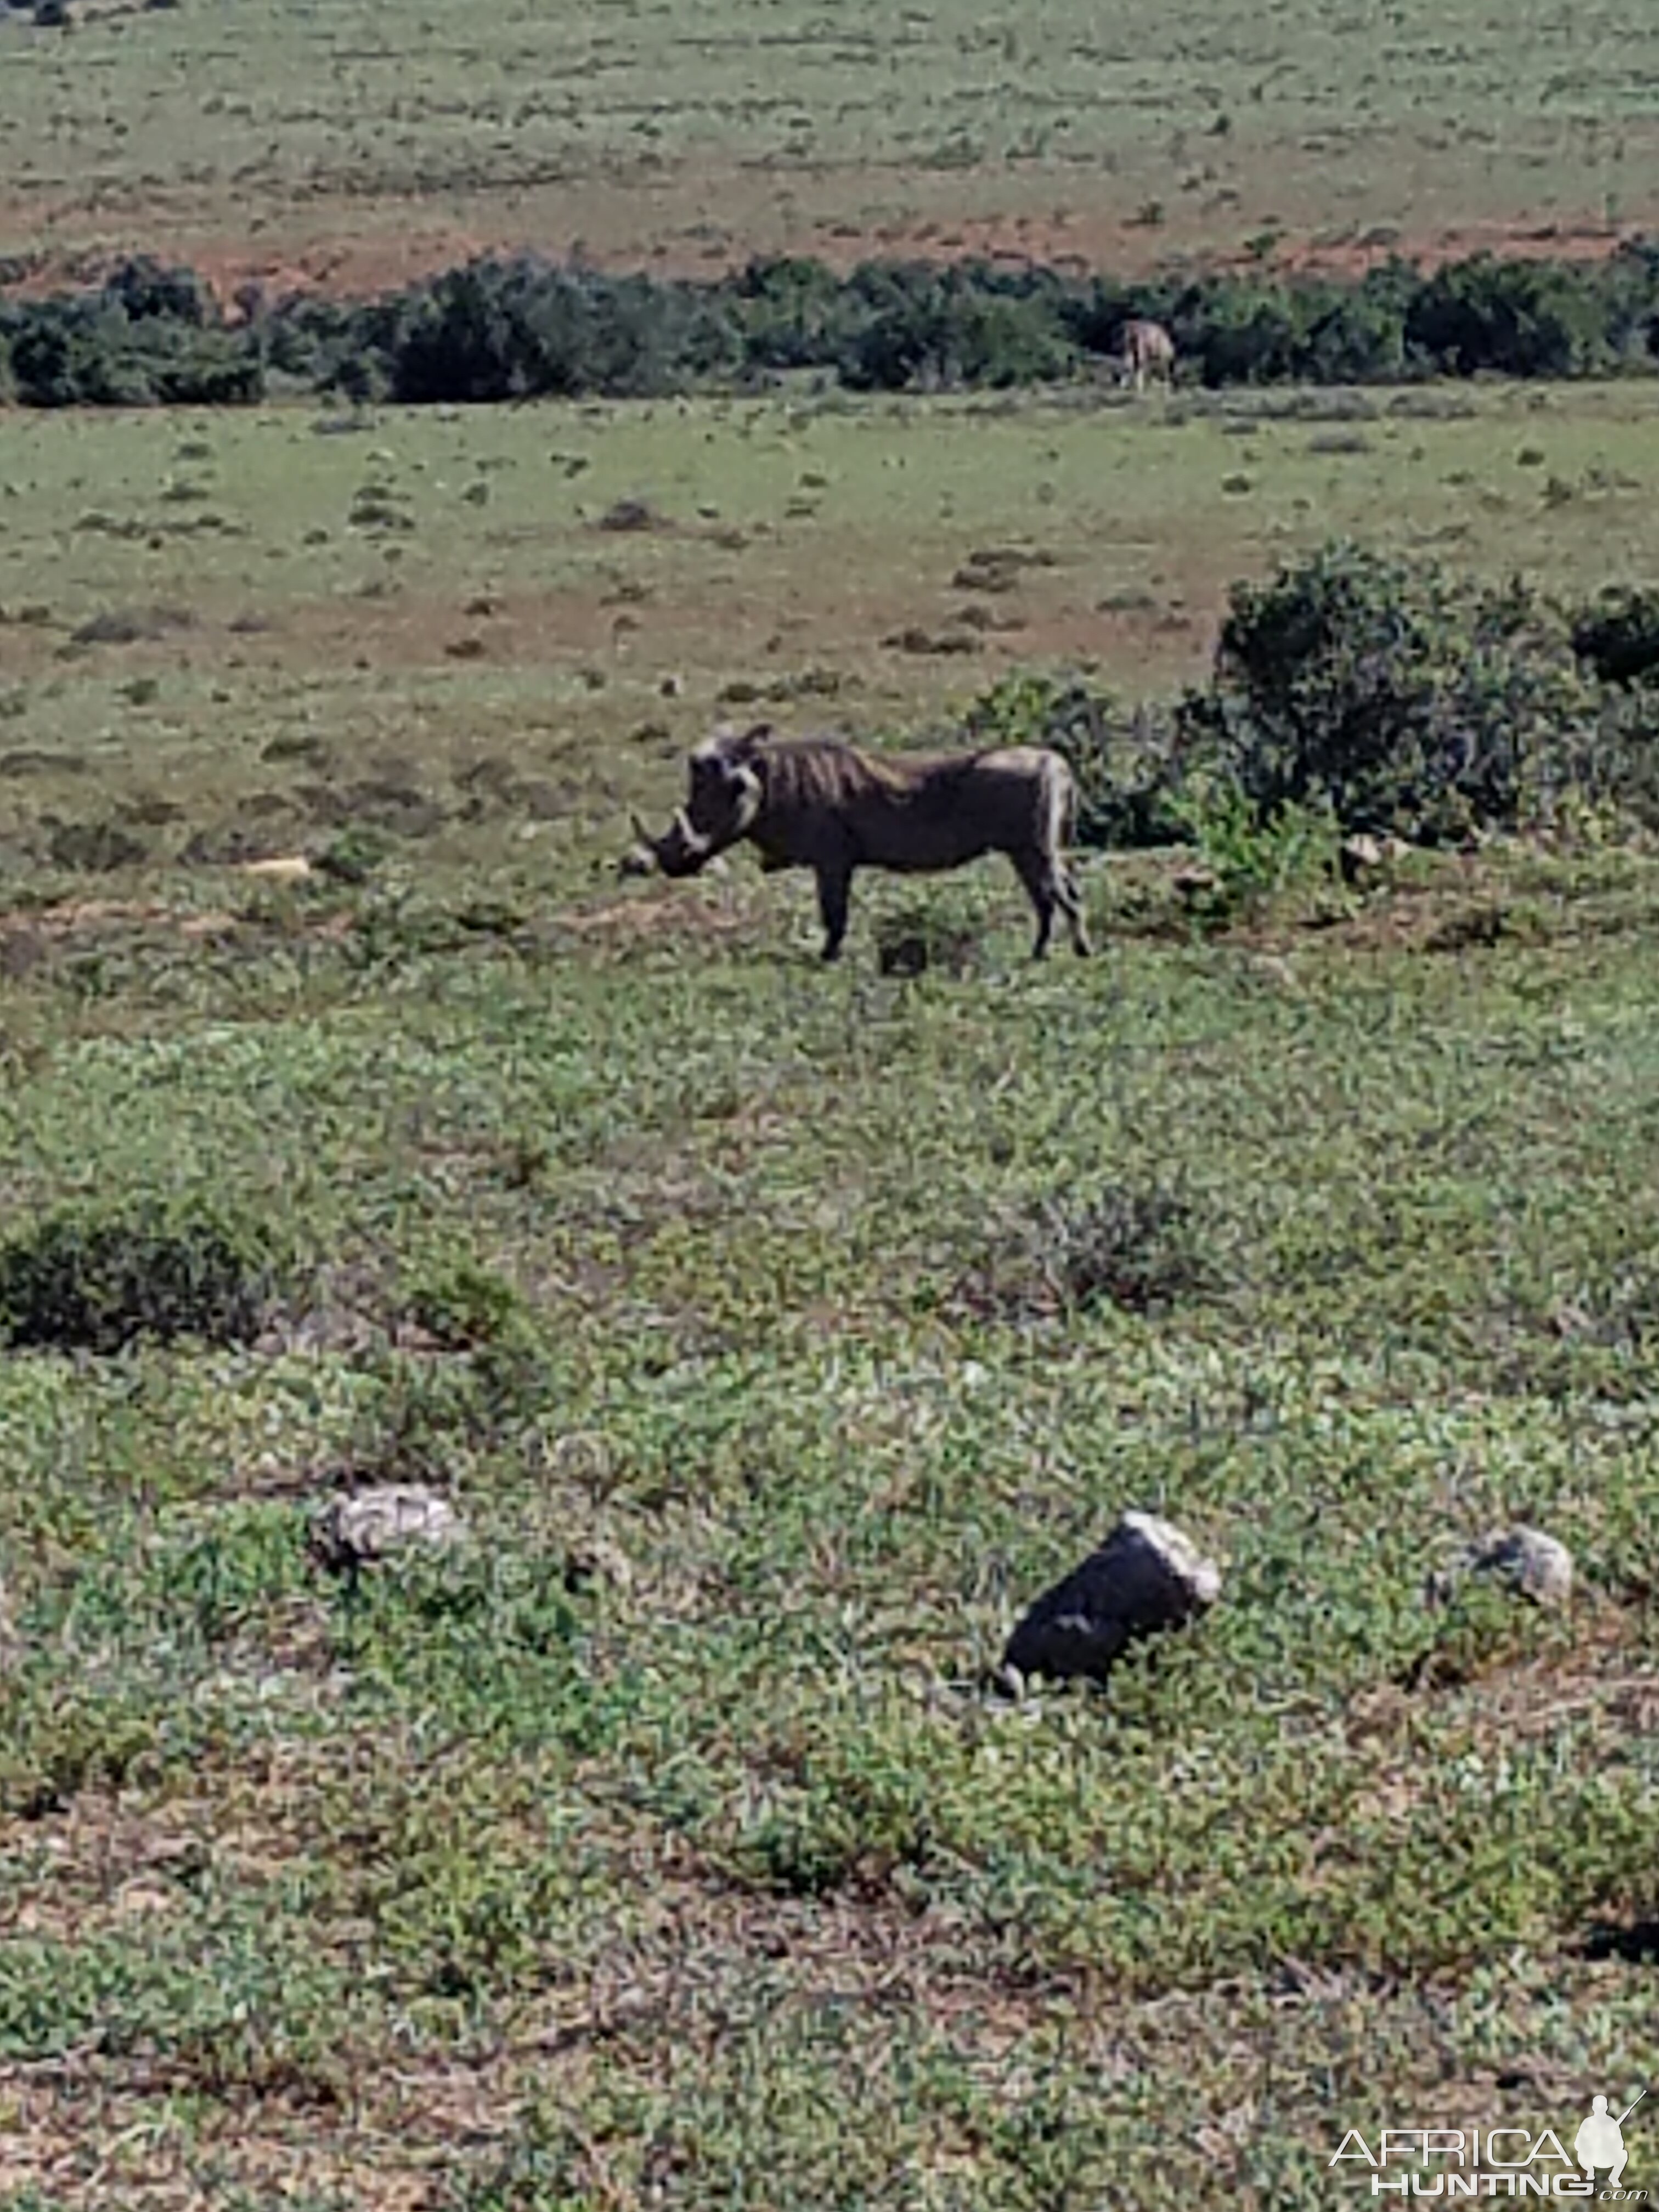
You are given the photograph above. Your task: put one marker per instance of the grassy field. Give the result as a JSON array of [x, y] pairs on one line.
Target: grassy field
[[264, 620], [361, 139], [666, 1843]]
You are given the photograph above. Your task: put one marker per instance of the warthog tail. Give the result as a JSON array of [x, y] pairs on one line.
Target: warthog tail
[[1060, 804]]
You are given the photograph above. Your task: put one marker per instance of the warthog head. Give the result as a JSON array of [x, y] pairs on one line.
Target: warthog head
[[727, 792]]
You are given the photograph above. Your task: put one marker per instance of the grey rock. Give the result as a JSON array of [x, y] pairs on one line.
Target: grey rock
[[1147, 1576], [1535, 1566], [350, 1532]]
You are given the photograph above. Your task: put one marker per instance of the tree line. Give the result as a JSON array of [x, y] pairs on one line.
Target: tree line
[[523, 327]]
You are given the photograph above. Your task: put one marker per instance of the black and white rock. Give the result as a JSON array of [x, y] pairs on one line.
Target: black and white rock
[[1535, 1566], [350, 1532], [1147, 1576]]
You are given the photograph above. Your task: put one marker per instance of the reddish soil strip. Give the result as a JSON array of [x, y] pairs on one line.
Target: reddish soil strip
[[387, 255]]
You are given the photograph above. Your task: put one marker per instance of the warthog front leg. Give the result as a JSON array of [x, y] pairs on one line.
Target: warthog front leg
[[834, 890]]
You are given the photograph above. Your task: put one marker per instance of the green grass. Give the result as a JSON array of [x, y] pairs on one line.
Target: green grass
[[815, 561], [755, 1505], [667, 1844], [691, 132]]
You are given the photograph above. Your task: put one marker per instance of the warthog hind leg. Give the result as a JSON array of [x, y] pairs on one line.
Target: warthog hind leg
[[1071, 905], [1040, 878]]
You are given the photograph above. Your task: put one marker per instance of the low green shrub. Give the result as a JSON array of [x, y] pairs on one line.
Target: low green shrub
[[1404, 698], [1618, 634], [1249, 859], [1138, 1249], [97, 1281]]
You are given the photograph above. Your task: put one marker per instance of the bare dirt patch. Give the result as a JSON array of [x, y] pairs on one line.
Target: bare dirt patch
[[389, 243]]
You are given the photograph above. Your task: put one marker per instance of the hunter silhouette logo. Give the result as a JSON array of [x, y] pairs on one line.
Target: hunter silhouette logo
[[1452, 2162], [1601, 2141]]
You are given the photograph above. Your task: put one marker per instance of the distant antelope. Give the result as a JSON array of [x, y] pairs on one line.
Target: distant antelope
[[1145, 349]]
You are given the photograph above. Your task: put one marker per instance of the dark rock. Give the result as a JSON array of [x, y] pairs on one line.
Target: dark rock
[[1147, 1576]]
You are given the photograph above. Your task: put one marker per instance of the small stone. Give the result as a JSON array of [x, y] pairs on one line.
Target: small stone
[[1362, 855], [1193, 883], [350, 1532], [284, 868], [1147, 1576]]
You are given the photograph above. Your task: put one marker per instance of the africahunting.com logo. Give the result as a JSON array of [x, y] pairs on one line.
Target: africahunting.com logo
[[1452, 2162]]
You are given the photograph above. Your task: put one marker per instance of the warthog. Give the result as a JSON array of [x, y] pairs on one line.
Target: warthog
[[1145, 349], [820, 804]]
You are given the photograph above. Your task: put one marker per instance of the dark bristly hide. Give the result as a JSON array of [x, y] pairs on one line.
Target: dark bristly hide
[[822, 804]]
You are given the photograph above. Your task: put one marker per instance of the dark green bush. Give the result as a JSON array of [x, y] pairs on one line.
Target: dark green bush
[[147, 290], [794, 313], [1406, 699], [1517, 317], [1619, 635], [517, 329], [97, 1281], [151, 336], [939, 329]]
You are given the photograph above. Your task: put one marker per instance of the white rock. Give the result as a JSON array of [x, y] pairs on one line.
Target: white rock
[[1147, 1576], [288, 868]]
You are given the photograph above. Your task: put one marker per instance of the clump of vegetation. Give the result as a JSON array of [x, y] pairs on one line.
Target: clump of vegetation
[[1357, 692], [1135, 1247], [1404, 698], [1619, 635], [94, 847], [99, 1281], [1247, 858], [148, 336], [354, 854], [464, 1307]]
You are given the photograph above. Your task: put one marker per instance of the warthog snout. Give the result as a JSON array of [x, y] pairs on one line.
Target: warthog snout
[[680, 851]]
